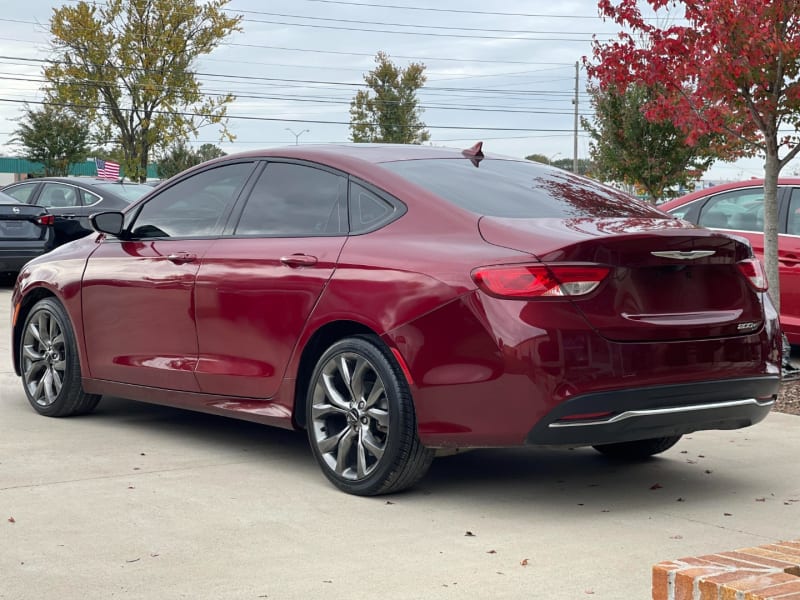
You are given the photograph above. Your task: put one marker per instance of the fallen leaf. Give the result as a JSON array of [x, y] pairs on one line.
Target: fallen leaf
[[761, 499], [327, 581], [728, 514], [469, 534], [701, 455], [499, 572], [680, 500], [691, 462], [656, 486], [133, 561], [580, 503], [389, 502], [524, 562], [676, 537], [684, 452], [136, 469], [709, 471], [588, 592], [142, 454], [155, 554], [12, 520], [130, 487], [605, 510], [491, 552]]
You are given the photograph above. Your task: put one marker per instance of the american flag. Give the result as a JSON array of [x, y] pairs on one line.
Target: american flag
[[106, 169]]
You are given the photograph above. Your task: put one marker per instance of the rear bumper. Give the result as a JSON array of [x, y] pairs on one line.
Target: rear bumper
[[658, 411]]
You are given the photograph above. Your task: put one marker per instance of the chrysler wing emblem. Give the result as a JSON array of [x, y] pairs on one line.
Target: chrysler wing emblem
[[684, 254]]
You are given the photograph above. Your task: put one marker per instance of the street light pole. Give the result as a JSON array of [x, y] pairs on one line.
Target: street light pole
[[297, 135]]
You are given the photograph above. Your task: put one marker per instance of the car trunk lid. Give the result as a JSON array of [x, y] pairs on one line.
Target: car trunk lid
[[668, 280], [20, 222]]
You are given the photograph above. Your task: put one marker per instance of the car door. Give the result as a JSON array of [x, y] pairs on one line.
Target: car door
[[789, 265], [256, 287], [138, 291]]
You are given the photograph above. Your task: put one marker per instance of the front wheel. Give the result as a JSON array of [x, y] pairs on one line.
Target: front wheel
[[48, 356], [361, 421], [638, 449]]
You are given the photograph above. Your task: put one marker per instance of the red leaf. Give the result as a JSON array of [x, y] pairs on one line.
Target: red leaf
[[12, 520], [524, 562]]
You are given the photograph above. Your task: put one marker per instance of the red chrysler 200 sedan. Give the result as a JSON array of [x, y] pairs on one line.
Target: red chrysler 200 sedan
[[399, 301]]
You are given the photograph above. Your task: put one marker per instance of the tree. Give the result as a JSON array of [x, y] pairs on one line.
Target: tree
[[391, 112], [129, 65], [731, 70], [629, 148], [540, 158], [54, 137], [180, 157]]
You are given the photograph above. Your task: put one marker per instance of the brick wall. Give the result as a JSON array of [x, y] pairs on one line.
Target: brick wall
[[769, 572]]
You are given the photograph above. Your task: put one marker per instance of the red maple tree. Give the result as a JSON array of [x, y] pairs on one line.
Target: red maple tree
[[728, 67]]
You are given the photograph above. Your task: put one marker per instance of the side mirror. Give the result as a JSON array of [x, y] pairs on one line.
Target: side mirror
[[108, 222]]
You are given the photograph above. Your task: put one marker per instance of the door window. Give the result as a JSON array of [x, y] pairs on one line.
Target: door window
[[58, 195], [198, 206], [21, 192], [793, 226], [295, 201], [742, 210]]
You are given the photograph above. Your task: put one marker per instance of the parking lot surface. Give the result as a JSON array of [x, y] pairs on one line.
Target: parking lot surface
[[143, 501]]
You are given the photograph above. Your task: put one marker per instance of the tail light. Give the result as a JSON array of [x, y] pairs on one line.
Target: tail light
[[47, 220], [754, 272], [538, 281]]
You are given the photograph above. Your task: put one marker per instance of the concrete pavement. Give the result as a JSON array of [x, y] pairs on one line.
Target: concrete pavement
[[141, 501]]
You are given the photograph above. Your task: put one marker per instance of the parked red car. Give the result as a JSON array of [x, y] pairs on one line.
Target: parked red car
[[399, 301], [739, 208]]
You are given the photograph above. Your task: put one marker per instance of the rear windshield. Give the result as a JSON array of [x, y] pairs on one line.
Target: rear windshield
[[518, 189], [127, 191]]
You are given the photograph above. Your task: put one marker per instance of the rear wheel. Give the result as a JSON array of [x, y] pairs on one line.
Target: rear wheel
[[361, 422], [48, 356], [638, 449]]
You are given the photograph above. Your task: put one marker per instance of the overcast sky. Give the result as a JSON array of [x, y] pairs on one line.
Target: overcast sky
[[502, 72]]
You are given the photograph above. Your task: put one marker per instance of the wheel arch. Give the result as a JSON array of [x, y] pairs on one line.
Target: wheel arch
[[25, 306], [320, 341]]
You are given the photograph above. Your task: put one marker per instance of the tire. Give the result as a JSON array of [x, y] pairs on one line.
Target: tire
[[638, 449], [361, 422], [48, 357]]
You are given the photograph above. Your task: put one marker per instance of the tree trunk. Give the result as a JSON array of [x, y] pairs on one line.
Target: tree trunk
[[771, 171]]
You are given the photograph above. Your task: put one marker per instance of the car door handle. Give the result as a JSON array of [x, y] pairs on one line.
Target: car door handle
[[180, 258], [299, 260]]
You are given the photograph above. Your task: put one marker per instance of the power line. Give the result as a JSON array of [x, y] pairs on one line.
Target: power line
[[282, 120], [444, 10]]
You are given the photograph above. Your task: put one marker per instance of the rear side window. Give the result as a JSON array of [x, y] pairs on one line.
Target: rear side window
[[519, 189], [295, 200], [368, 211]]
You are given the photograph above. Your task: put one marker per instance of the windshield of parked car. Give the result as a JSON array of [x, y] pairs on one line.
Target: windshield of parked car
[[127, 191], [519, 189]]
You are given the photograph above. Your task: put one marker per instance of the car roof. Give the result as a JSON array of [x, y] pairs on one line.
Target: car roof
[[724, 187]]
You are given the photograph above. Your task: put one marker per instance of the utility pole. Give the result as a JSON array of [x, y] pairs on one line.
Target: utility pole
[[575, 102]]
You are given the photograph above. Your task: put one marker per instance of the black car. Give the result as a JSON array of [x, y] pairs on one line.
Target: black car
[[71, 200], [25, 233]]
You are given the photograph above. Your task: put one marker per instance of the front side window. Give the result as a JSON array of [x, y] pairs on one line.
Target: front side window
[[295, 201], [742, 210], [21, 192], [198, 206]]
